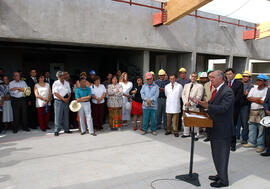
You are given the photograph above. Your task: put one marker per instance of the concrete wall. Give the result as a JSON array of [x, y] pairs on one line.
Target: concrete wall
[[112, 24]]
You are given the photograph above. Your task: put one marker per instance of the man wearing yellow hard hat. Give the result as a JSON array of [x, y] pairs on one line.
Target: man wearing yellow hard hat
[[154, 75], [244, 110], [183, 80], [161, 113]]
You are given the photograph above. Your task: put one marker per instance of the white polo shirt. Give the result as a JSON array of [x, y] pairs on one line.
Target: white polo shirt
[[17, 93], [62, 89], [98, 92]]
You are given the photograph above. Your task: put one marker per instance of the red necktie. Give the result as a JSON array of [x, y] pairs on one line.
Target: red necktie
[[230, 84], [213, 95]]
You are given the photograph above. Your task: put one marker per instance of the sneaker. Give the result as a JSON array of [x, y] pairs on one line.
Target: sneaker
[[143, 132], [248, 145], [154, 133], [259, 150], [93, 134], [244, 142]]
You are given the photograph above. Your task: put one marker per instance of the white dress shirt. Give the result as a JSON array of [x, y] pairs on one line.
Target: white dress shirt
[[17, 93], [173, 92], [61, 89], [98, 92]]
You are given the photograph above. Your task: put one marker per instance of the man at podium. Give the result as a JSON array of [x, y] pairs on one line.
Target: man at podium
[[220, 109]]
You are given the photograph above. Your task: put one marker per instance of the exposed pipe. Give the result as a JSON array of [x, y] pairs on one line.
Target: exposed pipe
[[222, 21], [130, 2]]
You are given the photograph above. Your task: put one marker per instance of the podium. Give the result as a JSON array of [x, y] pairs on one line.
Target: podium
[[194, 119]]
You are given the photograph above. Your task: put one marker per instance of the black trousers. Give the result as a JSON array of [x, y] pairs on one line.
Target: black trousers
[[180, 116], [235, 119], [267, 139], [19, 107], [220, 153], [32, 115]]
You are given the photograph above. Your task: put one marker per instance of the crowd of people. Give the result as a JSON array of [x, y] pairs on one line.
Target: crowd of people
[[158, 103]]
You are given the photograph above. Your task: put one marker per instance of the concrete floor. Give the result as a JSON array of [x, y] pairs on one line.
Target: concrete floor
[[117, 160]]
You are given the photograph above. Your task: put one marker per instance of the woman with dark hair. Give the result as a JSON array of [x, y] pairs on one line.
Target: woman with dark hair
[[136, 109], [5, 103], [43, 95], [98, 95], [115, 103]]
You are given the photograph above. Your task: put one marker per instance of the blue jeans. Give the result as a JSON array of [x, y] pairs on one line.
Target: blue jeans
[[243, 122], [161, 113], [256, 135], [149, 114], [61, 115]]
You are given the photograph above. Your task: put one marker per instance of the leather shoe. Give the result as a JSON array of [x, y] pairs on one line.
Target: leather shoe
[[185, 136], [218, 184], [214, 178], [56, 134], [27, 130], [69, 132], [206, 140], [265, 154], [176, 134], [233, 148], [168, 133]]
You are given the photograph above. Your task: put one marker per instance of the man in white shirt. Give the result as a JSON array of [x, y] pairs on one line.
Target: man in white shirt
[[62, 93], [256, 96], [18, 102], [173, 93], [193, 90]]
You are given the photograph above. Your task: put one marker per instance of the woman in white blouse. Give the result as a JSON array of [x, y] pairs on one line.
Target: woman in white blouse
[[98, 105], [43, 95], [127, 86]]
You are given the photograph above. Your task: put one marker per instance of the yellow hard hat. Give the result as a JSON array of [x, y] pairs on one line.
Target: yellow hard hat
[[246, 73], [161, 72], [153, 73], [238, 76], [183, 70]]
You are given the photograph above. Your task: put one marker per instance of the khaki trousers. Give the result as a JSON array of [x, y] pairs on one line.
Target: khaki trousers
[[172, 119]]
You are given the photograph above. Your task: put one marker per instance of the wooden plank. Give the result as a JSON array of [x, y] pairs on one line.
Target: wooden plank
[[177, 9]]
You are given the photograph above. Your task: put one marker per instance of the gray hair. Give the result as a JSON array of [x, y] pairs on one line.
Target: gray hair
[[221, 74], [59, 73]]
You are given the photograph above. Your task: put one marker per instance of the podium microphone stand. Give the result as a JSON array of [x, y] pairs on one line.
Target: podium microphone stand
[[192, 178]]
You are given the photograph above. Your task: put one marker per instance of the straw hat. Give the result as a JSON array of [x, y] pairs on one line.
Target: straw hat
[[27, 91], [265, 121], [75, 106]]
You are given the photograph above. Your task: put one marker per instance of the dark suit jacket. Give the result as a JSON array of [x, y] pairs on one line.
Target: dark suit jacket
[[51, 82], [221, 111], [30, 83], [238, 91], [266, 103]]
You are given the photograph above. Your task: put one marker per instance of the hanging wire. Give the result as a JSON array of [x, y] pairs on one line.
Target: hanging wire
[[238, 8]]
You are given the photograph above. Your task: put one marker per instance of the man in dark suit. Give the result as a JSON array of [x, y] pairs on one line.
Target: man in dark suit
[[32, 111], [48, 80], [266, 106], [220, 109], [238, 91]]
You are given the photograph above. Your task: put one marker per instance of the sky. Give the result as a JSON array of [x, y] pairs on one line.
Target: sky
[[255, 11]]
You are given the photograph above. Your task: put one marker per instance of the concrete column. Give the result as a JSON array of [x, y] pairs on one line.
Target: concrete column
[[247, 67], [146, 62], [193, 62], [229, 61]]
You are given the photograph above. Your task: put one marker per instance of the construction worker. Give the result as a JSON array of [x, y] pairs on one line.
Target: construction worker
[[183, 80], [161, 113]]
